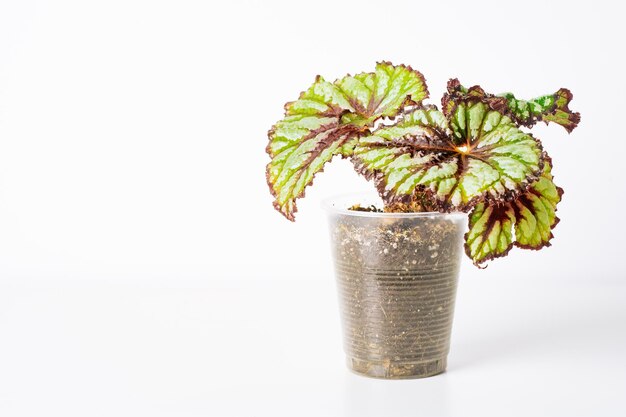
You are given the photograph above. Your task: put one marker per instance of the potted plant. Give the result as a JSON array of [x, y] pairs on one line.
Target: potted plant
[[397, 265]]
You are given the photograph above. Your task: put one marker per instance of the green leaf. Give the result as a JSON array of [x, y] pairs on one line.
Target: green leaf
[[300, 145], [548, 108], [326, 120], [490, 232], [535, 212], [532, 215], [384, 92], [470, 154]]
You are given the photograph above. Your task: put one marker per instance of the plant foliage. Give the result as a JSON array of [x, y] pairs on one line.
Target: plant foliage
[[470, 156]]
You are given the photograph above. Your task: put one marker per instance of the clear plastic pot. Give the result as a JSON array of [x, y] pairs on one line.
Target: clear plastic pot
[[397, 277]]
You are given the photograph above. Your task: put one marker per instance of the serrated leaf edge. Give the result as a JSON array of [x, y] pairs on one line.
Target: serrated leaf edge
[[545, 244]]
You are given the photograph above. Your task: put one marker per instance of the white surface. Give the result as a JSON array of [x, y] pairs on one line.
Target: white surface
[[272, 348], [144, 273]]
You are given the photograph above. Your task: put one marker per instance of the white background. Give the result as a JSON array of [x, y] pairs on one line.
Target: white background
[[143, 270]]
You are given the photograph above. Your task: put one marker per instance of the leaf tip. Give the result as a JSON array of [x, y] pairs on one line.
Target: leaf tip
[[289, 215]]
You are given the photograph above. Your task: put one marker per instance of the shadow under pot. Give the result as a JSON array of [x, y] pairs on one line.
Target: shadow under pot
[[397, 276]]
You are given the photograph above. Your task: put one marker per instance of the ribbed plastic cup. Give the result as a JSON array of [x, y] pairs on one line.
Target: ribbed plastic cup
[[397, 277]]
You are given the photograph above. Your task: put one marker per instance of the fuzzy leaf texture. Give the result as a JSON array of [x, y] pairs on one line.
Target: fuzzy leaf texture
[[472, 153], [526, 221], [326, 120]]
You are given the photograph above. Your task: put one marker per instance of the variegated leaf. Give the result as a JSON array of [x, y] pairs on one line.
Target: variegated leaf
[[548, 108], [535, 212], [490, 232], [382, 93], [474, 153], [326, 119], [532, 215]]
